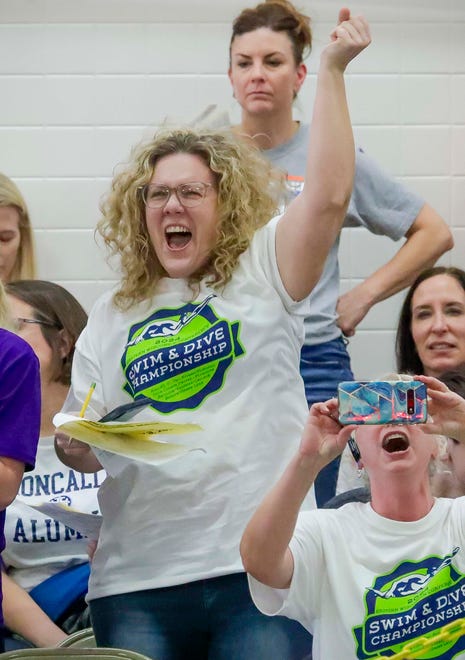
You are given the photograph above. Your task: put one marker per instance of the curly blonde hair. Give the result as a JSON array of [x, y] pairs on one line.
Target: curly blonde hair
[[25, 264], [249, 191]]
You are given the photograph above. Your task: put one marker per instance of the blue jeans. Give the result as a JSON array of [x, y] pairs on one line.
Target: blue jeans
[[323, 367], [212, 619]]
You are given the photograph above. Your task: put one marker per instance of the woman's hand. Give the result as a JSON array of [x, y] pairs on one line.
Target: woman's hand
[[324, 437], [445, 408], [76, 454], [71, 446], [352, 307], [348, 39]]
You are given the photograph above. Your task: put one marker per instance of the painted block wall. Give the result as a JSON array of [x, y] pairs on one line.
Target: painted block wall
[[82, 82]]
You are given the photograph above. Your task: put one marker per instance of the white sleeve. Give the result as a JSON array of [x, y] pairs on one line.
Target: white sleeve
[[263, 256], [302, 600]]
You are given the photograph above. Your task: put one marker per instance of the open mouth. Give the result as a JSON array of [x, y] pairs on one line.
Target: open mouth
[[395, 442], [177, 237]]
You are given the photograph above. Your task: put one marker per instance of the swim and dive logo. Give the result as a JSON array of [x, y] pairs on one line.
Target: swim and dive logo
[[178, 357], [415, 600]]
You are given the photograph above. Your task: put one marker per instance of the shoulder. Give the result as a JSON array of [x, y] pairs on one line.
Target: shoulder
[[104, 311], [369, 172], [262, 239], [105, 300], [372, 179], [366, 165]]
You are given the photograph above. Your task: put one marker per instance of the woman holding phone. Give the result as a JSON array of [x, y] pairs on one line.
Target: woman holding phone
[[367, 578]]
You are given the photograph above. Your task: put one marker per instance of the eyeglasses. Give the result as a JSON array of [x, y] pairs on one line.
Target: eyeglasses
[[19, 323], [156, 195]]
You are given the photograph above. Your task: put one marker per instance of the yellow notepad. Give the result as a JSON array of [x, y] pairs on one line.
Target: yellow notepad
[[137, 440]]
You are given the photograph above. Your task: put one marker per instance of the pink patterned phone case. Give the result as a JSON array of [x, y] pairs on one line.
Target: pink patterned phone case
[[382, 402]]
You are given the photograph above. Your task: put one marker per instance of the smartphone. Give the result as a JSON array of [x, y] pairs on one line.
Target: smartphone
[[382, 402]]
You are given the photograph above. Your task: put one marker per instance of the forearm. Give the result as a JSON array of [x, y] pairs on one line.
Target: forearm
[[11, 473], [427, 239], [331, 152], [459, 434], [313, 220], [455, 429], [23, 616], [265, 543]]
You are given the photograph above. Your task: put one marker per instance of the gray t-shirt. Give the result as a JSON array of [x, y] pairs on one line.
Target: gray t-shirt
[[379, 202]]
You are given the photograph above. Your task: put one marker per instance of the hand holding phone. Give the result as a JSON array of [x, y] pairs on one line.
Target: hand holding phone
[[382, 402]]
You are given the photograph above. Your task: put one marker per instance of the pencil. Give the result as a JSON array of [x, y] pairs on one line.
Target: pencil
[[87, 399]]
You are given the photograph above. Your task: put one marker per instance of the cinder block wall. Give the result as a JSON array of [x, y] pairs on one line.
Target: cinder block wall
[[83, 81]]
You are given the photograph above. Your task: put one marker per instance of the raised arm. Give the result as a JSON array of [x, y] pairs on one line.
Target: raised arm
[[427, 239], [265, 544], [313, 220]]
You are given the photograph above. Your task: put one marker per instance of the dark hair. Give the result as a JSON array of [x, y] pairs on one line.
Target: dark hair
[[407, 357], [455, 380], [279, 16], [58, 308]]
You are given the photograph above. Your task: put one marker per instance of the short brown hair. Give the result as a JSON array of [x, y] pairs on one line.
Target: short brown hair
[[279, 16], [60, 310]]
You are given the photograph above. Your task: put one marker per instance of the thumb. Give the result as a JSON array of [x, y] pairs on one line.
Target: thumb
[[344, 15], [344, 435]]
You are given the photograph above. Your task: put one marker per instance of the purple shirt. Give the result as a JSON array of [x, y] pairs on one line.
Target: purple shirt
[[19, 406]]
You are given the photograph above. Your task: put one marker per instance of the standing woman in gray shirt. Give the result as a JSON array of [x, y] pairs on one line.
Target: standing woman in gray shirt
[[268, 45]]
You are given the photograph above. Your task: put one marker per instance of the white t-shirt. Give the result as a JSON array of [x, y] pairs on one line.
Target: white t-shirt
[[227, 360], [36, 545], [364, 584]]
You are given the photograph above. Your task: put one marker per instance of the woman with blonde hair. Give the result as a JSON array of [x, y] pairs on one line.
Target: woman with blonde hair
[[268, 47], [17, 258], [370, 577], [207, 324]]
